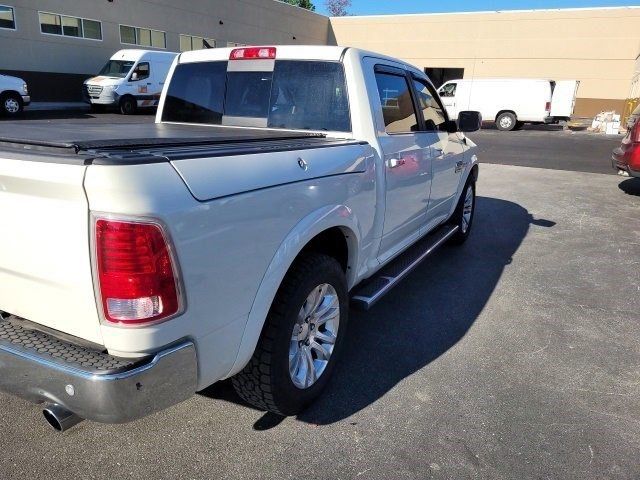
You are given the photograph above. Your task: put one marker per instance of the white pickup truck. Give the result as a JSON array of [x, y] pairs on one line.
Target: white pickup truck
[[279, 185]]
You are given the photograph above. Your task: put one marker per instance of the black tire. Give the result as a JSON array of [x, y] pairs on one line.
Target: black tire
[[506, 121], [458, 219], [11, 104], [128, 105], [519, 126], [265, 382]]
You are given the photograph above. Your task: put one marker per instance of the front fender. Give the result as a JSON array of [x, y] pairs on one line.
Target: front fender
[[309, 227]]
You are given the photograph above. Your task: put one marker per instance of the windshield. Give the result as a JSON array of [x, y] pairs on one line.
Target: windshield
[[116, 68], [300, 95]]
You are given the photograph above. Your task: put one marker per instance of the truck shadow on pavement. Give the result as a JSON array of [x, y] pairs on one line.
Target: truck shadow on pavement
[[630, 186], [421, 319]]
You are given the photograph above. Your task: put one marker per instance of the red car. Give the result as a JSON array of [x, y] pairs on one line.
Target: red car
[[626, 158]]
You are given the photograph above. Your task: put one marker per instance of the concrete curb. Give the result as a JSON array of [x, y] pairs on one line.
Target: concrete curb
[[56, 106]]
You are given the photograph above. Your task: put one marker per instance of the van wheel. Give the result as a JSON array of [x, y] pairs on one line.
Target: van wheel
[[464, 213], [506, 121], [12, 104], [302, 338], [128, 105]]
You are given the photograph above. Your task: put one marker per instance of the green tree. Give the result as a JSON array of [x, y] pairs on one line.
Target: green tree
[[308, 4]]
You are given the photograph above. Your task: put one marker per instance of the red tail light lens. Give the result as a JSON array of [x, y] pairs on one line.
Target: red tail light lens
[[547, 107], [136, 273], [253, 53]]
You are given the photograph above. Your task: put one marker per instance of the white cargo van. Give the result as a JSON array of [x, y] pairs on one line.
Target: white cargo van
[[510, 102], [130, 79]]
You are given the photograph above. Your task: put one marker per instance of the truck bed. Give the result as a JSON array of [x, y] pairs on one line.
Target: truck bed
[[124, 144]]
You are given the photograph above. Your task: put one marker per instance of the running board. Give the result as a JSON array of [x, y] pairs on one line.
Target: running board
[[368, 293]]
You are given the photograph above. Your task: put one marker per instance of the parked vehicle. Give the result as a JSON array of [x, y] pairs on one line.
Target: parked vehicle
[[510, 102], [14, 95], [227, 239], [131, 79], [626, 158]]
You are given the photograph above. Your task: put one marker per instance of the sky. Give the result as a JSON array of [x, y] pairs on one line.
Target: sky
[[382, 7]]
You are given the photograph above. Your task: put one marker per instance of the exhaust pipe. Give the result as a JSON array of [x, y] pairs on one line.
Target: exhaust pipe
[[60, 418]]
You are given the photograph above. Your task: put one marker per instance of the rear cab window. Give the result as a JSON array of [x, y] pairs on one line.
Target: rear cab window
[[288, 94]]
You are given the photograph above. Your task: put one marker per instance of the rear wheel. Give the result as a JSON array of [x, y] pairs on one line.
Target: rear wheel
[[464, 213], [128, 105], [12, 104], [506, 121], [301, 340]]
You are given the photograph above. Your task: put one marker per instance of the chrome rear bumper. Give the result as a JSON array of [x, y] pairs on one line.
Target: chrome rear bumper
[[44, 369]]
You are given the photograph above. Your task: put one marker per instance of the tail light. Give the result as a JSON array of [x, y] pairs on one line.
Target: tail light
[[547, 107], [137, 275], [253, 53]]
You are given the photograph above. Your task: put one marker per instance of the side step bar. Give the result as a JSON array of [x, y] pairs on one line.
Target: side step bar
[[368, 293]]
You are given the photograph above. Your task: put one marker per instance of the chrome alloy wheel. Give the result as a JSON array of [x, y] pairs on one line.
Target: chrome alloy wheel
[[11, 105], [467, 209], [314, 336]]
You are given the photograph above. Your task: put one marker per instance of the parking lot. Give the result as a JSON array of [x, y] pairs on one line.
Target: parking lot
[[515, 356]]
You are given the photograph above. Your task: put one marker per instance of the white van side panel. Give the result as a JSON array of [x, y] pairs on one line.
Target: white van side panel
[[526, 97]]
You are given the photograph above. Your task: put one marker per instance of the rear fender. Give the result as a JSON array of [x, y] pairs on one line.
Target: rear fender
[[309, 227]]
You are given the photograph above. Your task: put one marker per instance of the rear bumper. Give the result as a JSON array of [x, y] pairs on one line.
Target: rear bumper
[[623, 167], [92, 384]]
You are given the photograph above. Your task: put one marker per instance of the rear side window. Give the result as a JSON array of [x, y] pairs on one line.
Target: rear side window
[[301, 95], [448, 90], [397, 106]]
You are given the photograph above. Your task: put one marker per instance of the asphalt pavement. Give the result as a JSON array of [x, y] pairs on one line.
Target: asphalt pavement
[[515, 356]]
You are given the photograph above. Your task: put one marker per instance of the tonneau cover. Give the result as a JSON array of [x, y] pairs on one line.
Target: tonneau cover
[[118, 135]]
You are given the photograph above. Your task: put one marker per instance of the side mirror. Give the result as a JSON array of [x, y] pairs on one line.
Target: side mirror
[[134, 76], [469, 121]]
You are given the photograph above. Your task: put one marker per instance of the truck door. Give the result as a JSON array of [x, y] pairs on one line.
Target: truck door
[[141, 83], [563, 100], [406, 151], [447, 152], [448, 95]]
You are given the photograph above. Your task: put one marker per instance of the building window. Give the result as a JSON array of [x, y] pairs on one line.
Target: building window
[[191, 42], [144, 37], [7, 18], [92, 29], [54, 24]]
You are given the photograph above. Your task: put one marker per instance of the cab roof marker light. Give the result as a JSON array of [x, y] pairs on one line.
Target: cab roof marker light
[[253, 53]]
